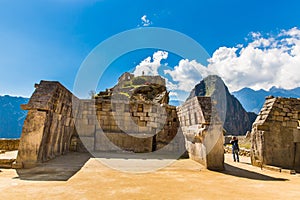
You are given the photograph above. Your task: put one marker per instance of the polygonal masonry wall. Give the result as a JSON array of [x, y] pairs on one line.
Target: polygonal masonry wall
[[275, 134], [131, 126]]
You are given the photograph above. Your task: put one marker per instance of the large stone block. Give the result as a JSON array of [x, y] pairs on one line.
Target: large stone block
[[123, 142], [203, 143], [31, 138], [103, 143], [88, 142], [296, 135], [85, 130]]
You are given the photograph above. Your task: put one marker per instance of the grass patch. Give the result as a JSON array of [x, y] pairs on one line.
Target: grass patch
[[245, 145], [124, 93]]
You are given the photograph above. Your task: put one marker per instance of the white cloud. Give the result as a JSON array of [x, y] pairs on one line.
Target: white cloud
[[170, 85], [173, 94], [255, 34], [262, 63], [187, 74], [150, 66], [145, 21]]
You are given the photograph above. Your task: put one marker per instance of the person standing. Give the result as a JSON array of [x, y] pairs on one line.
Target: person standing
[[235, 148]]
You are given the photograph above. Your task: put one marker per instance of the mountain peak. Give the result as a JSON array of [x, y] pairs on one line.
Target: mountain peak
[[236, 120], [274, 89], [208, 86]]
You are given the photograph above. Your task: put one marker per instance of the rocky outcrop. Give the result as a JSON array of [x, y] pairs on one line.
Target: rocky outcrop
[[151, 93], [141, 88], [236, 120]]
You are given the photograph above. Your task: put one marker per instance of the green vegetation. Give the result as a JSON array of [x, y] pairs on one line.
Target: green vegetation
[[246, 145], [125, 94], [127, 84]]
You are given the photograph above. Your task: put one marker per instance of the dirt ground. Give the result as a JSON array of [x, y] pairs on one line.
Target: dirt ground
[[86, 178]]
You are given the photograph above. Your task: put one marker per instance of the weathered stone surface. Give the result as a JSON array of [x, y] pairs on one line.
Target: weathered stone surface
[[132, 142], [138, 126], [49, 125], [276, 139], [9, 144], [203, 132], [140, 88]]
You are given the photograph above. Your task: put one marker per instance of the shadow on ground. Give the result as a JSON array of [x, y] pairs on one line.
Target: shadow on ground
[[243, 173], [61, 168], [131, 155]]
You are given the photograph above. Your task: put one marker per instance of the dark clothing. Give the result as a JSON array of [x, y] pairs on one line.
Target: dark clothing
[[235, 144], [235, 150]]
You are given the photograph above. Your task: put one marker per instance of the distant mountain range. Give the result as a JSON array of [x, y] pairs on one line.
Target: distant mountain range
[[11, 116], [253, 100]]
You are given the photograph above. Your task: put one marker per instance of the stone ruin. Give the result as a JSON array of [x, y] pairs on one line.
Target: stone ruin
[[58, 122], [49, 127], [203, 134], [275, 134], [136, 126]]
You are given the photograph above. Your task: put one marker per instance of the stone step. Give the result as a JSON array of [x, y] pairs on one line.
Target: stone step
[[279, 169]]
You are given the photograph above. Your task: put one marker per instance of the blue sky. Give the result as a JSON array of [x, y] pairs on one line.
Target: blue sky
[[50, 39]]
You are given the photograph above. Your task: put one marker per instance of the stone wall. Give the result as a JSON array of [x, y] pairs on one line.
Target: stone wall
[[127, 126], [155, 80], [58, 122], [9, 144], [126, 77], [275, 134], [203, 134], [49, 125]]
